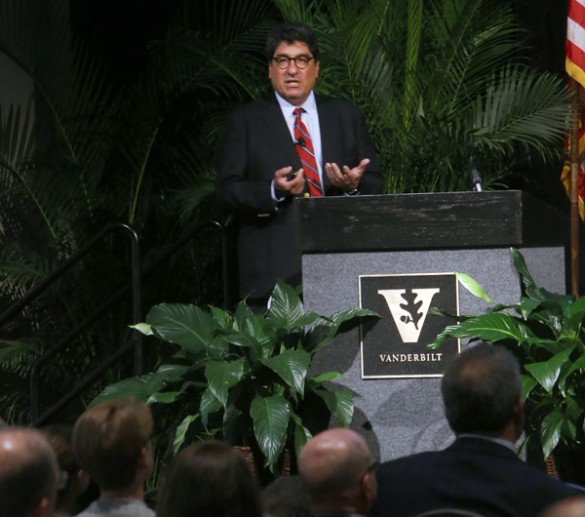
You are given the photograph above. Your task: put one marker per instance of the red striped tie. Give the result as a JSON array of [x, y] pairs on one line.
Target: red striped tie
[[306, 153]]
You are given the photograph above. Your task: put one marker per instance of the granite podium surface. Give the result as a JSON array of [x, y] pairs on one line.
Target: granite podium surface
[[343, 238]]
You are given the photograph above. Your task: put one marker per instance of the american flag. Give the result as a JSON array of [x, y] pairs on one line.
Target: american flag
[[575, 44], [575, 66]]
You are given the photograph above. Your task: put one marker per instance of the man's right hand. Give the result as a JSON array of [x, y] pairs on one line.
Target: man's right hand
[[289, 180]]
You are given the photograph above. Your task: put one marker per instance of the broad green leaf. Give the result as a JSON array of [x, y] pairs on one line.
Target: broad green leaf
[[489, 327], [143, 328], [547, 373], [527, 306], [286, 308], [222, 375], [573, 416], [291, 366], [209, 404], [528, 384], [522, 269], [579, 364], [143, 387], [172, 372], [181, 432], [270, 418], [169, 397], [326, 377], [348, 315], [575, 313], [165, 397], [577, 308], [137, 387], [302, 434], [185, 325], [339, 401], [324, 329], [550, 345], [473, 287], [251, 331], [550, 431], [223, 318], [243, 316]]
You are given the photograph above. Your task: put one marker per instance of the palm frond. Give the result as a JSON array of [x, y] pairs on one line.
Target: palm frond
[[523, 107]]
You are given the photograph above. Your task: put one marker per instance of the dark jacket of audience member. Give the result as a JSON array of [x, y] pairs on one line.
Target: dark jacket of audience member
[[208, 479], [286, 496], [480, 471]]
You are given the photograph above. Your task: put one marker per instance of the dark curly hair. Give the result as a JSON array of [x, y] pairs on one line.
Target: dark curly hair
[[290, 33]]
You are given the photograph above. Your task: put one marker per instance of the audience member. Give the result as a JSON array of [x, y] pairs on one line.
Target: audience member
[[481, 470], [286, 496], [28, 474], [111, 442], [337, 470], [72, 480], [208, 479]]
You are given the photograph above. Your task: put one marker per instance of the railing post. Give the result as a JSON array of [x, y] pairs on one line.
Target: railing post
[[42, 286]]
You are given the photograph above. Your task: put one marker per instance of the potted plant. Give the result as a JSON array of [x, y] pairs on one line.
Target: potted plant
[[546, 331], [245, 376]]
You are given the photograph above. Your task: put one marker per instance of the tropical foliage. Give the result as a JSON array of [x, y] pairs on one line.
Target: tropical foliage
[[440, 82], [242, 375], [546, 330], [98, 152]]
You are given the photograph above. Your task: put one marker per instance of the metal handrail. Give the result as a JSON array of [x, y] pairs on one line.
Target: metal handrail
[[42, 286], [94, 374], [88, 380]]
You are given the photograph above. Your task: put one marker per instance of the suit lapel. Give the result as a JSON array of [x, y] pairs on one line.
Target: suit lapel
[[328, 130], [280, 134]]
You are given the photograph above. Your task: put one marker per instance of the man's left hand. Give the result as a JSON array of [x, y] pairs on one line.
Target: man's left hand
[[345, 178]]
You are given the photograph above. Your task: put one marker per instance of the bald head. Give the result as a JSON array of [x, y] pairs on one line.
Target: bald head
[[28, 473], [571, 507], [335, 467]]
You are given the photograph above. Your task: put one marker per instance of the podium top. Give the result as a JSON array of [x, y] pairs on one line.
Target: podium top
[[448, 220]]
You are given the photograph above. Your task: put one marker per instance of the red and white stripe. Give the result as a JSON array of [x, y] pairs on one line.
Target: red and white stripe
[[575, 43]]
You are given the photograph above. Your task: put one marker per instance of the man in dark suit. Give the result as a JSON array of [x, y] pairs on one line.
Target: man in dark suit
[[260, 170], [337, 470], [480, 471]]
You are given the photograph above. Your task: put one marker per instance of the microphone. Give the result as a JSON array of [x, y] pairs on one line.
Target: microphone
[[475, 178], [300, 141]]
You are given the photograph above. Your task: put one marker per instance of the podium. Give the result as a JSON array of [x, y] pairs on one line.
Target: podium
[[347, 239]]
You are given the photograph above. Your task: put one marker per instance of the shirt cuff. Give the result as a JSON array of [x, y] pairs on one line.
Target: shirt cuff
[[276, 198]]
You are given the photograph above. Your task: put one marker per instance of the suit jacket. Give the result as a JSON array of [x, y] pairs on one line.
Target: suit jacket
[[257, 142], [472, 474]]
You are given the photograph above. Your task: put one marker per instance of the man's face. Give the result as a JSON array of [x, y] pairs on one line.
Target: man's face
[[292, 83]]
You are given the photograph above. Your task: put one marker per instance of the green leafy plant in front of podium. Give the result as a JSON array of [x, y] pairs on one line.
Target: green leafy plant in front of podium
[[546, 331], [244, 376]]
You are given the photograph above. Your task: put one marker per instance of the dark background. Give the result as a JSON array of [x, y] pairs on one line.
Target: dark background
[[119, 30]]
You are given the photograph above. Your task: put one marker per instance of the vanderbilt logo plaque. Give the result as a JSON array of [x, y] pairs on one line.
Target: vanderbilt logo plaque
[[395, 346]]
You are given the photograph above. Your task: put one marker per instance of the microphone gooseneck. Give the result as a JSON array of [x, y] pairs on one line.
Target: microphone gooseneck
[[475, 177]]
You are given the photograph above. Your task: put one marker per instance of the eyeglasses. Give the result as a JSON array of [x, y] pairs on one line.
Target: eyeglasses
[[301, 62]]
